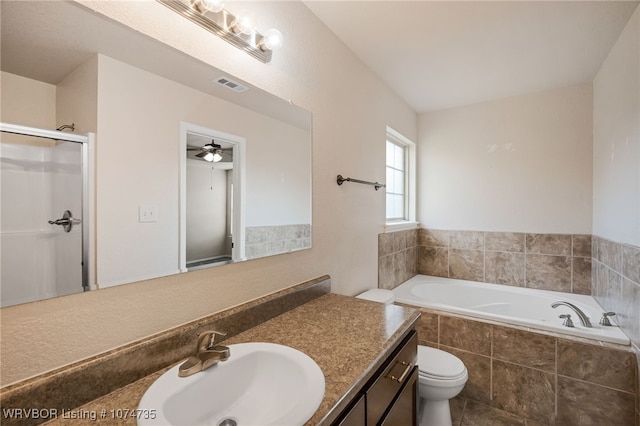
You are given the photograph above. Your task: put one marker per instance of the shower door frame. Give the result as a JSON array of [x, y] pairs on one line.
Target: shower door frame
[[87, 143]]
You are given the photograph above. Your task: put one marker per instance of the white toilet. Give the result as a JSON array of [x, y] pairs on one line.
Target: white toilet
[[441, 375]]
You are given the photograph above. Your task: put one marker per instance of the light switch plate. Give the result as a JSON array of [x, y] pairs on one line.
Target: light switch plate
[[148, 213]]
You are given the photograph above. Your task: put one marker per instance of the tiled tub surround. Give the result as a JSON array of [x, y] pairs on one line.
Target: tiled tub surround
[[616, 286], [509, 305], [521, 377], [86, 380], [263, 241], [559, 262], [396, 257]]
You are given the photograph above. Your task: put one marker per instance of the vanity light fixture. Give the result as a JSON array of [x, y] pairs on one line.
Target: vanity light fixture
[[239, 30], [211, 152]]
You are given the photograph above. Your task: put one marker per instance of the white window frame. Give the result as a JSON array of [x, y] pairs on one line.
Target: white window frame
[[409, 222]]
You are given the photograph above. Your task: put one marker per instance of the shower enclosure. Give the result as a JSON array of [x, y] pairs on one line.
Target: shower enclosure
[[44, 227]]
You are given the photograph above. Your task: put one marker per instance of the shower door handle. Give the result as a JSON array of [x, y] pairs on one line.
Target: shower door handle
[[66, 221]]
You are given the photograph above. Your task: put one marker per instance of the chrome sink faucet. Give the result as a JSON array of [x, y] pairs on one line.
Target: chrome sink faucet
[[207, 354], [584, 319]]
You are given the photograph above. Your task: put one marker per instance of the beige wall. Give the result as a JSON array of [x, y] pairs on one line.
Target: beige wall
[[616, 132], [77, 98], [27, 102], [351, 108], [521, 164], [616, 183], [206, 211], [140, 152]]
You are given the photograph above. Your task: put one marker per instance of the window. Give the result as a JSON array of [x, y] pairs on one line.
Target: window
[[396, 181], [400, 167]]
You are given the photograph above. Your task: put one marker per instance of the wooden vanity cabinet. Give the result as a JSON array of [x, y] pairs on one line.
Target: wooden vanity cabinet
[[355, 415], [390, 397]]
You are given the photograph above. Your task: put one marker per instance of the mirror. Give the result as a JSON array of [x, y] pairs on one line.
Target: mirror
[[148, 104], [209, 213]]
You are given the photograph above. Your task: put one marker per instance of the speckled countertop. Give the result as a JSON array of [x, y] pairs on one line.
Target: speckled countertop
[[347, 337]]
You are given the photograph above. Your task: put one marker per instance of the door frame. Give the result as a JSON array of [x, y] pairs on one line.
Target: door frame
[[238, 173]]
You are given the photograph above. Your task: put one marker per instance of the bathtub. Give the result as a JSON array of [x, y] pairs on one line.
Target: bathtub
[[512, 305]]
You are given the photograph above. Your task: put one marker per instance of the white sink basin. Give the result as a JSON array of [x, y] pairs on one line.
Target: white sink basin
[[260, 384]]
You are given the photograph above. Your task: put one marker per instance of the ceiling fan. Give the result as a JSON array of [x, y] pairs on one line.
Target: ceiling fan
[[211, 152]]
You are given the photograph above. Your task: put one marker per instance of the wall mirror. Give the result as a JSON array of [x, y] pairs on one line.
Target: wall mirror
[[153, 109]]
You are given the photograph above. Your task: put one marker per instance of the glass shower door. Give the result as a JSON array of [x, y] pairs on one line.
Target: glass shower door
[[41, 232]]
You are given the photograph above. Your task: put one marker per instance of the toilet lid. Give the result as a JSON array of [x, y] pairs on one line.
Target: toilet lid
[[436, 363], [377, 295]]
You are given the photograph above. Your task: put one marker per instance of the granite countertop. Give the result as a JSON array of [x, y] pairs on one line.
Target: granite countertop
[[348, 338]]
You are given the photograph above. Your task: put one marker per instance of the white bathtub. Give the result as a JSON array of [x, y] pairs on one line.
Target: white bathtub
[[512, 305]]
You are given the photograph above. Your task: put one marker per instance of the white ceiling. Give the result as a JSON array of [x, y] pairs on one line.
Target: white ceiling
[[442, 54]]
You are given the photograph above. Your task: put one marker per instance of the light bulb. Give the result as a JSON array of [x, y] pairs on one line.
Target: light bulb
[[208, 157], [203, 6], [244, 23], [272, 39]]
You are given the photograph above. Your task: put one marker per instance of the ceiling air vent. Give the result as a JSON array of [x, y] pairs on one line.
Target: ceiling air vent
[[233, 85]]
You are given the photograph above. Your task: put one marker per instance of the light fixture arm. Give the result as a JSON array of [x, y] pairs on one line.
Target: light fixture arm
[[221, 23]]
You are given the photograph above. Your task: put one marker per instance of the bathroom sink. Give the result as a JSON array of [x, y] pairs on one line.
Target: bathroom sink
[[260, 384]]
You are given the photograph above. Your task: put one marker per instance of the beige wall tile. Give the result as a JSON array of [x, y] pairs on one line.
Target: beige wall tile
[[466, 240], [596, 364], [504, 241], [613, 291], [478, 414], [427, 327], [582, 403], [478, 386], [581, 275], [412, 238], [460, 333], [523, 391], [595, 241], [456, 406], [548, 272], [531, 422], [433, 261], [602, 282], [629, 315], [396, 258], [556, 244], [637, 352], [433, 238], [385, 244], [410, 262], [581, 245], [385, 272], [504, 268], [399, 240], [466, 264], [610, 254], [524, 348], [631, 263]]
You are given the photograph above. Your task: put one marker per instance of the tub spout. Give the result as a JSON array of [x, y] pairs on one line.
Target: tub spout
[[584, 320]]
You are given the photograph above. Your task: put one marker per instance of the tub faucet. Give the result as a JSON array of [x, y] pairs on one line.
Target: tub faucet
[[207, 354], [584, 320]]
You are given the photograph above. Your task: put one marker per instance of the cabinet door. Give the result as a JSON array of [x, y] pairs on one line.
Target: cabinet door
[[355, 415], [404, 410], [390, 381]]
